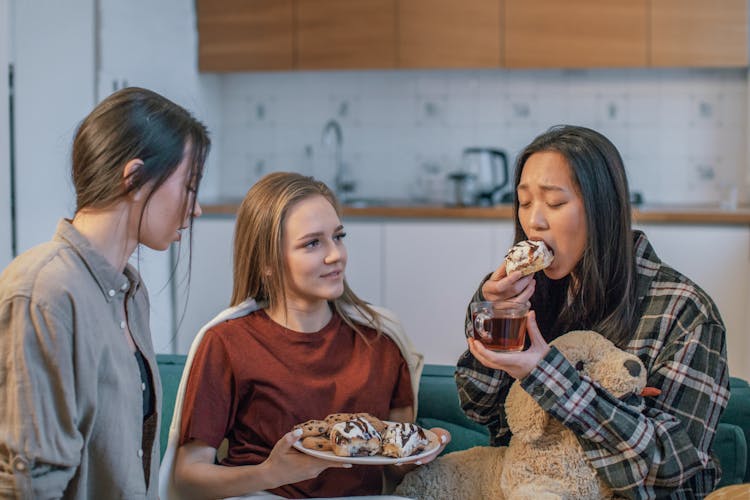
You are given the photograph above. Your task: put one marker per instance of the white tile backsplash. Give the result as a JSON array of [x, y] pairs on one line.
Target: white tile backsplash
[[682, 133]]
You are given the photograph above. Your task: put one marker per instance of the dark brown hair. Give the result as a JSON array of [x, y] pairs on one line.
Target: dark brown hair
[[603, 294], [258, 239], [134, 123]]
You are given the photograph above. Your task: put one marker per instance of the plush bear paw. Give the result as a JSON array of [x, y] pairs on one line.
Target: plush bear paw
[[540, 491]]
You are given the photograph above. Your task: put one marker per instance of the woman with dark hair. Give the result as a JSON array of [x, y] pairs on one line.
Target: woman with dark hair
[[296, 345], [80, 394], [572, 193]]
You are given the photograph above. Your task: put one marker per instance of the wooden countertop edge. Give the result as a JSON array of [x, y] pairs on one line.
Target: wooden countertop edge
[[664, 215], [739, 217]]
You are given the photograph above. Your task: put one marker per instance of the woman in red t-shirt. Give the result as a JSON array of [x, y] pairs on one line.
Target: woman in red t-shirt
[[302, 346]]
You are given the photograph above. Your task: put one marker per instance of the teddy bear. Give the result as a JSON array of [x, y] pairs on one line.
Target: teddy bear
[[544, 459]]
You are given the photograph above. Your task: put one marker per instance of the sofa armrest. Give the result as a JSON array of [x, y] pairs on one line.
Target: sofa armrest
[[439, 407], [170, 371], [731, 451], [737, 413], [462, 438]]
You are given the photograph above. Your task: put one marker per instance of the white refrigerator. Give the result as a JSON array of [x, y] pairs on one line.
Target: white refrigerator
[[67, 56], [6, 222]]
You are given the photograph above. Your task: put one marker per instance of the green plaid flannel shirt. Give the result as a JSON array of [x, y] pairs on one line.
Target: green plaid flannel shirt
[[663, 451]]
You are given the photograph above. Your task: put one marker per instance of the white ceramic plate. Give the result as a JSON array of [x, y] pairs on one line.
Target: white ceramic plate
[[431, 449]]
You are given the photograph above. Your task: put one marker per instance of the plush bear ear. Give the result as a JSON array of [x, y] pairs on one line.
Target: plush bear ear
[[526, 418]]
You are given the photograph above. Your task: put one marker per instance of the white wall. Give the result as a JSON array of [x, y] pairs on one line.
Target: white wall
[[6, 253], [682, 132]]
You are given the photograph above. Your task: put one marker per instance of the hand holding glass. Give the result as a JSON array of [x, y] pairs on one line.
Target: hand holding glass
[[500, 327]]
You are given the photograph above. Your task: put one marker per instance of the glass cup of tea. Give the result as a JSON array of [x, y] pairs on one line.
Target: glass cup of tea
[[500, 327]]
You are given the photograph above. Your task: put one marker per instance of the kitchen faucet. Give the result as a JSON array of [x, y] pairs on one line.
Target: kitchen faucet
[[332, 136]]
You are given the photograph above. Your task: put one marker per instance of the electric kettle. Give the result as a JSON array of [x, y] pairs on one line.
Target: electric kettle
[[488, 167]]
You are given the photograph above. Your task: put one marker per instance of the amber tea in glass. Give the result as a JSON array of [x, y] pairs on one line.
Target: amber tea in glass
[[500, 327]]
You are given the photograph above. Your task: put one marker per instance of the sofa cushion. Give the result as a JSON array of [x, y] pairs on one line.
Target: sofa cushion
[[462, 438], [439, 407], [738, 412], [731, 450], [438, 397], [170, 370]]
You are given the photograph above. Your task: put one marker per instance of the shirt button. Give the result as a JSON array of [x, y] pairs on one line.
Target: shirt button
[[124, 287], [111, 293], [122, 325], [143, 386], [19, 464], [140, 453]]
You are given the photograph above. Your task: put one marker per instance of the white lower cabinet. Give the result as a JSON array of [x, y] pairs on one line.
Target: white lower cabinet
[[155, 270], [210, 278], [718, 259], [364, 270], [431, 271]]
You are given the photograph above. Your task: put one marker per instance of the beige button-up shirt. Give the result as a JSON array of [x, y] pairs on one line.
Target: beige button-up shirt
[[71, 402]]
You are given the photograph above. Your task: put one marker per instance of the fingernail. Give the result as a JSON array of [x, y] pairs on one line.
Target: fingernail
[[443, 438], [418, 462], [297, 432], [347, 466]]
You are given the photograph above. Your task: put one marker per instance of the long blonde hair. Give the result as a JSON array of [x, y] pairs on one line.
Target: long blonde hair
[[258, 244]]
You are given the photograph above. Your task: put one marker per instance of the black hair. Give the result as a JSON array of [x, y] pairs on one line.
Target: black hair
[[603, 285]]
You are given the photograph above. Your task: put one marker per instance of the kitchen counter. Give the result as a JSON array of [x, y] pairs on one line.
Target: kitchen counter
[[684, 214]]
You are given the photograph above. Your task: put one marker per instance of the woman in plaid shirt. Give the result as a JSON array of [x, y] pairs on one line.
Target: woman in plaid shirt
[[572, 193]]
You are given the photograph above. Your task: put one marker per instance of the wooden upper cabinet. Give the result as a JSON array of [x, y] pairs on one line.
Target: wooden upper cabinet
[[245, 35], [699, 33], [263, 35], [346, 34], [576, 33], [449, 34]]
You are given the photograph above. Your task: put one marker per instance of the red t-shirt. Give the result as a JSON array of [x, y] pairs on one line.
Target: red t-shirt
[[252, 380]]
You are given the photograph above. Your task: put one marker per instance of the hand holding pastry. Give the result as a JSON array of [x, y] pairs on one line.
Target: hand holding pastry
[[528, 257], [513, 280], [501, 287], [285, 465]]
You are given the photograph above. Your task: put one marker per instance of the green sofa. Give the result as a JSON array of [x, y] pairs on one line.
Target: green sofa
[[439, 407]]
